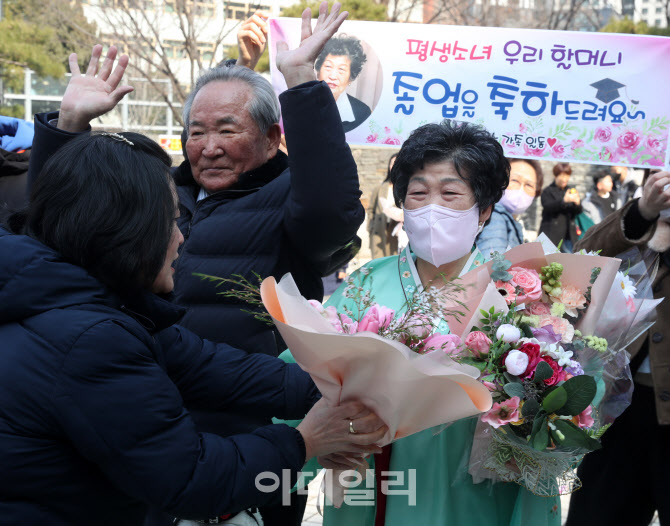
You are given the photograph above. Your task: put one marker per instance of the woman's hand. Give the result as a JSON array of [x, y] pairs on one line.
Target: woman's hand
[[326, 430], [572, 196], [89, 96], [297, 65], [342, 462], [655, 196], [252, 39]]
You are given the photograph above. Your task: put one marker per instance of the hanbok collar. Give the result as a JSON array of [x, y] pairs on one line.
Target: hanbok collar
[[409, 275], [411, 282]]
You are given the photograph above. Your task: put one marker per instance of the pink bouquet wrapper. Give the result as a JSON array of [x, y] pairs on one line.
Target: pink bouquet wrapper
[[408, 391]]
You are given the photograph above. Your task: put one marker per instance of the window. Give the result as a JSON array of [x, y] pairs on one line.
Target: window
[[204, 8], [176, 49], [659, 10], [242, 11], [645, 10], [658, 22]]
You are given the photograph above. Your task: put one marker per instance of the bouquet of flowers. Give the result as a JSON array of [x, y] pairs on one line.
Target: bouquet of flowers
[[556, 388]]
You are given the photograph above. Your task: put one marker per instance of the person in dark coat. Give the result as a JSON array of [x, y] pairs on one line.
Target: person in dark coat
[[560, 205], [339, 64], [243, 211], [94, 374], [628, 480]]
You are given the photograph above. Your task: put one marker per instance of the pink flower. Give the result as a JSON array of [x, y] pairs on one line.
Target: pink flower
[[630, 303], [490, 386], [606, 154], [576, 143], [654, 144], [506, 290], [584, 418], [478, 343], [629, 140], [502, 413], [572, 298], [559, 150], [447, 343], [417, 326], [561, 327], [372, 137], [530, 283], [392, 140], [317, 305], [341, 322], [538, 309], [603, 134], [536, 152], [522, 127], [387, 130], [559, 373], [377, 317]]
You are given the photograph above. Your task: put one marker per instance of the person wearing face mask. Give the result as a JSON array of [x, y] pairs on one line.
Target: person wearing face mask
[[561, 204], [628, 480], [447, 178], [504, 230]]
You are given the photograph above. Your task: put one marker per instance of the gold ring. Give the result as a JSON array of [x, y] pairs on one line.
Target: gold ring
[[351, 427]]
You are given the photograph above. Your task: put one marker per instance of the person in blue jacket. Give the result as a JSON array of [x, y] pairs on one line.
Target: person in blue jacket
[[504, 230], [94, 373]]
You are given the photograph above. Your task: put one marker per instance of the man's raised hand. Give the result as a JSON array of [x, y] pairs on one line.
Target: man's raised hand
[[297, 65]]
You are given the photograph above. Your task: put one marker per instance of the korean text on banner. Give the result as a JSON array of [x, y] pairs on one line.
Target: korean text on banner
[[556, 95]]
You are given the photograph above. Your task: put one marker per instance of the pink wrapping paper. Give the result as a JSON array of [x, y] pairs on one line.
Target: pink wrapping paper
[[409, 392]]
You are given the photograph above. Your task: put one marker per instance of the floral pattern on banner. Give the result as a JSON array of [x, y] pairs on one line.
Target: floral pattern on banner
[[385, 135], [641, 143]]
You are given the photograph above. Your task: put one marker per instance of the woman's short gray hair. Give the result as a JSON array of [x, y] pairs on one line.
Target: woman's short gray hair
[[264, 106]]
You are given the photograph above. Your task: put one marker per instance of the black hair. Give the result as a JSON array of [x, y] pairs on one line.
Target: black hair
[[476, 154], [107, 206], [600, 175], [562, 168], [344, 46], [539, 174], [388, 168]]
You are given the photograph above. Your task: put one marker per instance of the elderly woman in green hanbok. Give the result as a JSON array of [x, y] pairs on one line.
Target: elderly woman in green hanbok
[[447, 178]]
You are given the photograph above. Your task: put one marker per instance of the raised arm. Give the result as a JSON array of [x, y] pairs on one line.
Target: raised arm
[[252, 39], [323, 211], [86, 97]]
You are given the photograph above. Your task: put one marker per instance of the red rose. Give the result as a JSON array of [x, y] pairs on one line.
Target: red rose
[[533, 352], [559, 373]]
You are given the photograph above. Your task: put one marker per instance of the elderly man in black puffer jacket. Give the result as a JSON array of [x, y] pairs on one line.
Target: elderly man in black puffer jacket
[[245, 206]]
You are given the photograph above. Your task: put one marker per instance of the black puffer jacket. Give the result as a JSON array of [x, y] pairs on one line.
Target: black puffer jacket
[[289, 215]]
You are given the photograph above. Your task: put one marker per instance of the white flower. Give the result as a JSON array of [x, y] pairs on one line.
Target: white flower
[[627, 287], [516, 362], [508, 333], [364, 270], [558, 353]]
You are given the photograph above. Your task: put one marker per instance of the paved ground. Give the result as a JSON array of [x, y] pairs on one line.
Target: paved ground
[[313, 518]]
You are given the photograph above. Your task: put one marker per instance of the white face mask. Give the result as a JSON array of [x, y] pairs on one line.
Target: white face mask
[[516, 201], [441, 235]]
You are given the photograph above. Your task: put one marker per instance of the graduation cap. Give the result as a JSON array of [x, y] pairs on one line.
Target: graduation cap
[[608, 90]]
